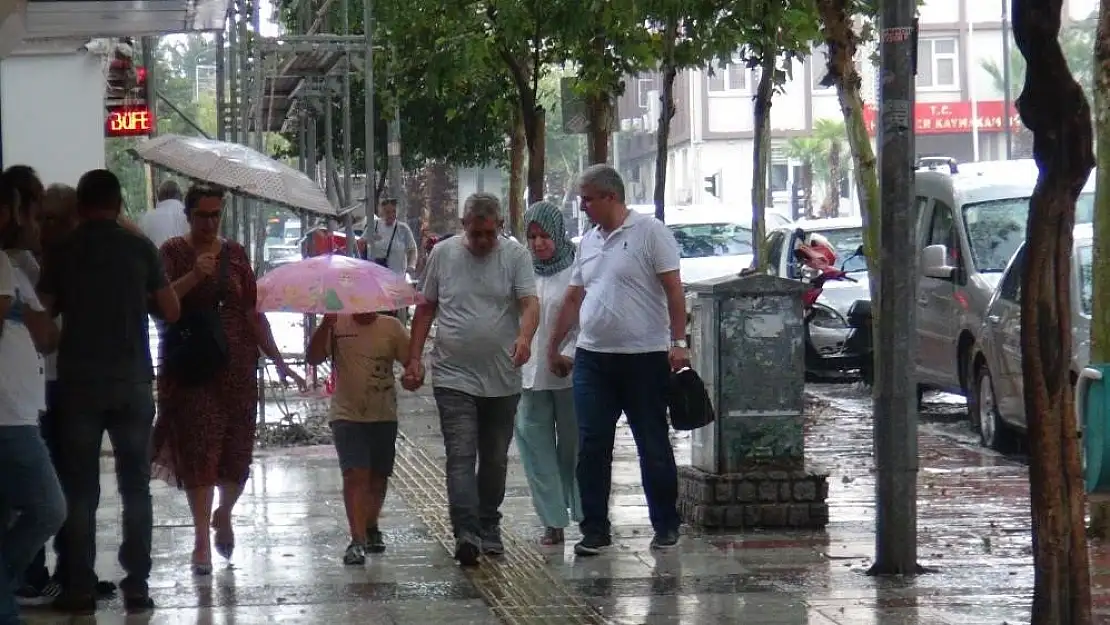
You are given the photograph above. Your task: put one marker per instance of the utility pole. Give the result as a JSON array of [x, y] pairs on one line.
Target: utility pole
[[368, 108], [1007, 118], [396, 168], [895, 420]]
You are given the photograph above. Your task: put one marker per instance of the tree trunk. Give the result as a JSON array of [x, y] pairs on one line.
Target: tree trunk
[[599, 113], [517, 146], [836, 172], [663, 138], [842, 40], [1053, 107], [807, 188], [761, 157], [535, 130], [1100, 317]]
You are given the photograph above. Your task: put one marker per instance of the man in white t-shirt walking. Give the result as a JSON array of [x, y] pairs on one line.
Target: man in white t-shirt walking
[[167, 220], [390, 242], [626, 294]]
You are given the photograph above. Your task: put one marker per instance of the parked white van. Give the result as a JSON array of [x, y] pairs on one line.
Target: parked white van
[[971, 221]]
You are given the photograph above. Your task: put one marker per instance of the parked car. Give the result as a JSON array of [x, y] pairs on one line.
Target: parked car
[[712, 240], [970, 224], [829, 328], [998, 404]]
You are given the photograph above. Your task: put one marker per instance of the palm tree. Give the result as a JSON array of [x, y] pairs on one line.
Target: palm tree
[[823, 155]]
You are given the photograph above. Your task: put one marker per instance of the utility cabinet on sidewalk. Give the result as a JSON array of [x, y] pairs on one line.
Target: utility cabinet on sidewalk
[[748, 467]]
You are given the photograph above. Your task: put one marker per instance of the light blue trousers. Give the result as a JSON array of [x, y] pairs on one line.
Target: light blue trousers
[[547, 437]]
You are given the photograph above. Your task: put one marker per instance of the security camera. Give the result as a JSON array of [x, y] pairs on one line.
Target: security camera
[[95, 46]]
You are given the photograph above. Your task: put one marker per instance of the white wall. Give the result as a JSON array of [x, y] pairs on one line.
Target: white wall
[[53, 114]]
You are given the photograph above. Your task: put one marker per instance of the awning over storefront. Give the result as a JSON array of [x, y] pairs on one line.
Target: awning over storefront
[[47, 19]]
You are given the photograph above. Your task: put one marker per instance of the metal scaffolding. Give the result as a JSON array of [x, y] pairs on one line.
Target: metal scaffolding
[[294, 83]]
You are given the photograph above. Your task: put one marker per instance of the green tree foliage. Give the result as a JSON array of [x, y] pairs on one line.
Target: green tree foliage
[[1077, 41], [430, 62]]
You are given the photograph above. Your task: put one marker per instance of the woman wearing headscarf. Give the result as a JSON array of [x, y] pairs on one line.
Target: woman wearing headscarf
[[546, 428]]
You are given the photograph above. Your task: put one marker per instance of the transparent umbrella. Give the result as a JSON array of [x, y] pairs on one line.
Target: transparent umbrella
[[238, 169]]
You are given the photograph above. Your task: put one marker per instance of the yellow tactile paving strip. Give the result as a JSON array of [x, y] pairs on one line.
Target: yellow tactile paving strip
[[517, 586]]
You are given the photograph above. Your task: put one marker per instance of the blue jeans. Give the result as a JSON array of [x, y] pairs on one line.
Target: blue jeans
[[126, 412], [29, 493], [605, 385]]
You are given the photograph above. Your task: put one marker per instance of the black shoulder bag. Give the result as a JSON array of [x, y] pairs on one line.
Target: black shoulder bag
[[384, 261], [194, 349]]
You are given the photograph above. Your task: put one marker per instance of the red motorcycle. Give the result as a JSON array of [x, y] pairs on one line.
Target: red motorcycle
[[816, 259]]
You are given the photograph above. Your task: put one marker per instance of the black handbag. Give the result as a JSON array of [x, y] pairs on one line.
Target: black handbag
[[195, 348], [688, 401]]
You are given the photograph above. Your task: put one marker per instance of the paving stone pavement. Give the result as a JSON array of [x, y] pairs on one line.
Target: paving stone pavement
[[974, 534]]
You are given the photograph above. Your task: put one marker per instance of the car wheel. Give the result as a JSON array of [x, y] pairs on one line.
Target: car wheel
[[970, 390], [991, 428]]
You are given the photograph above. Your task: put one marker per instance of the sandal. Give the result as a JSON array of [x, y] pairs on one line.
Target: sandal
[[552, 536], [224, 540], [201, 568]]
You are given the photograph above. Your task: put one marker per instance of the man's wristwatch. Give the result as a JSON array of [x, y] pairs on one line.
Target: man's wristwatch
[[679, 343]]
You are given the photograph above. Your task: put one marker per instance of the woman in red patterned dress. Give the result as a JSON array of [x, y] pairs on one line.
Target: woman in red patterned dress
[[205, 433]]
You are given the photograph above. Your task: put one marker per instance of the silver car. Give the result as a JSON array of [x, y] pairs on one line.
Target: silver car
[[970, 223], [997, 403]]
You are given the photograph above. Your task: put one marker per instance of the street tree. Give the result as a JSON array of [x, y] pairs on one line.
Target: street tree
[[612, 44], [455, 102], [1053, 107], [823, 154], [684, 35], [774, 34], [842, 42], [1100, 314], [1076, 40], [522, 35]]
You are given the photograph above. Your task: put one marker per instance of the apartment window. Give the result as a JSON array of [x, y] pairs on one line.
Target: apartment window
[[643, 90], [936, 63], [734, 77], [818, 66]]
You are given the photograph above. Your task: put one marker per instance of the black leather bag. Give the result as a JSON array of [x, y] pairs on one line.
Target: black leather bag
[[688, 402], [195, 348]]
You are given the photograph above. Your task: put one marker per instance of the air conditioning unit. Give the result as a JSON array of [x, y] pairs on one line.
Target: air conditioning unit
[[638, 124], [626, 125]]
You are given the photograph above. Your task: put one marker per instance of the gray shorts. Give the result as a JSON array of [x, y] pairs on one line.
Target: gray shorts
[[371, 446]]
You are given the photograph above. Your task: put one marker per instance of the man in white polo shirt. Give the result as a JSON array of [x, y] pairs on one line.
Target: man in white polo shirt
[[626, 294]]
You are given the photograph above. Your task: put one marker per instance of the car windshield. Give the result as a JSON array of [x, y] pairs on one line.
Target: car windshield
[[718, 239], [846, 241], [995, 229], [1086, 280]]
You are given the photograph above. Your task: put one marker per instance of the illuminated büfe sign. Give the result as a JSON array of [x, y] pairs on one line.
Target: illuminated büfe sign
[[128, 121]]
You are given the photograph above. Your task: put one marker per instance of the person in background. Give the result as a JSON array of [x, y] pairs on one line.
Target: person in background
[[27, 252], [32, 507], [105, 280], [546, 429], [482, 290], [58, 219], [204, 438], [626, 295], [390, 243], [363, 415], [167, 220]]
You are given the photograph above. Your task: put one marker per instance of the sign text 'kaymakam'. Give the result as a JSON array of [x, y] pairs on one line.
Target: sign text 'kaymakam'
[[128, 121]]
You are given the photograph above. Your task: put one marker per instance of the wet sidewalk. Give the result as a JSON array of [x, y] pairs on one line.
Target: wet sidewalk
[[974, 533]]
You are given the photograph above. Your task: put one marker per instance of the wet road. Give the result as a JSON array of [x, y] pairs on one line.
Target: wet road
[[973, 532]]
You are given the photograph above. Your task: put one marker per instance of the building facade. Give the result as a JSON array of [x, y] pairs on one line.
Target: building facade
[[959, 111]]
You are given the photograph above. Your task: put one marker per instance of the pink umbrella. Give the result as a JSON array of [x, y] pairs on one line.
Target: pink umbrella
[[334, 284]]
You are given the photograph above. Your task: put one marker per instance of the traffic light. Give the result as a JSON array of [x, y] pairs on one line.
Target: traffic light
[[711, 184], [127, 95]]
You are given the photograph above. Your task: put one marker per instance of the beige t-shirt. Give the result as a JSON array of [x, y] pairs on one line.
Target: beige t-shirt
[[363, 357]]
